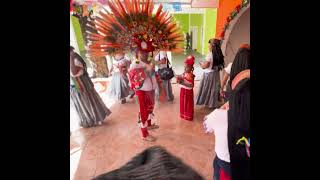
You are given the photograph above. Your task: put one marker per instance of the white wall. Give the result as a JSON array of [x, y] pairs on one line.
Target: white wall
[[240, 34]]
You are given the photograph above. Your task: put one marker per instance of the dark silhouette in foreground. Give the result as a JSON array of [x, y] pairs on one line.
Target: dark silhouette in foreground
[[153, 163]]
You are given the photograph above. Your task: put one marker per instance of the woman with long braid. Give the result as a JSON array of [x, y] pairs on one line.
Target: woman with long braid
[[209, 90]]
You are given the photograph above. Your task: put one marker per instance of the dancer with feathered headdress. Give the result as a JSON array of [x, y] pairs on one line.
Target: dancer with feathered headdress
[[130, 25]]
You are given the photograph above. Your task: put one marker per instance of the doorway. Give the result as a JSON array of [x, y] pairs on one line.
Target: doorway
[[194, 33]]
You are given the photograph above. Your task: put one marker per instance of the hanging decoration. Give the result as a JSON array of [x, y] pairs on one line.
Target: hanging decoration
[[77, 10], [133, 27], [232, 15], [82, 8]]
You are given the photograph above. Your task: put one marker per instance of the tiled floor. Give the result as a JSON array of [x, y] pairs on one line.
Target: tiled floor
[[101, 149]]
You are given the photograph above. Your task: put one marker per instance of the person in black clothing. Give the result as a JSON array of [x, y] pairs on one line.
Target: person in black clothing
[[239, 114]]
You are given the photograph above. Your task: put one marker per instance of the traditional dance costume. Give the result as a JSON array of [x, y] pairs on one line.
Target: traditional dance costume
[[210, 85], [144, 81], [132, 26], [186, 92], [209, 88], [186, 97], [86, 100]]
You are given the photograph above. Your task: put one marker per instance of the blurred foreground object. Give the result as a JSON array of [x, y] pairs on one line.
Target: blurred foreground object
[[153, 163]]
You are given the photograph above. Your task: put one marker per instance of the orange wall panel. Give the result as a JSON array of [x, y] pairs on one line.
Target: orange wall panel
[[224, 10]]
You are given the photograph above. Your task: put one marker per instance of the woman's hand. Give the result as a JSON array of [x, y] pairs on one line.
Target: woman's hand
[[179, 79], [225, 106], [204, 65]]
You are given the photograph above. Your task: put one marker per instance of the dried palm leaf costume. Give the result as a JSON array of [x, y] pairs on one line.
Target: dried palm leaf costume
[[130, 25], [153, 163]]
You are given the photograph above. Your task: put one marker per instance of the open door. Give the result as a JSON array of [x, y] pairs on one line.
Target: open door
[[194, 32]]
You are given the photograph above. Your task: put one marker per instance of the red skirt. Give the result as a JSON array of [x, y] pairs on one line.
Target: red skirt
[[186, 104]]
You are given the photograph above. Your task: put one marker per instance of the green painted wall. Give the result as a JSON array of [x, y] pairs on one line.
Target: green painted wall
[[210, 26], [197, 20], [78, 33], [183, 21], [210, 18]]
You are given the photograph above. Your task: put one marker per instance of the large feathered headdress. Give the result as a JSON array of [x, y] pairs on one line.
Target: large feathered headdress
[[131, 26]]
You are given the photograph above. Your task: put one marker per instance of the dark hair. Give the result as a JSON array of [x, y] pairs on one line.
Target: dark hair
[[240, 63], [71, 48], [239, 117], [217, 55]]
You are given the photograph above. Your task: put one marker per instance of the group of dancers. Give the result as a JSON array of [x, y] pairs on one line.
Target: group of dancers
[[139, 77], [128, 80], [147, 85], [131, 27]]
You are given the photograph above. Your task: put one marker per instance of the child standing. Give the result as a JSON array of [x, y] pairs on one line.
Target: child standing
[[186, 81], [119, 87]]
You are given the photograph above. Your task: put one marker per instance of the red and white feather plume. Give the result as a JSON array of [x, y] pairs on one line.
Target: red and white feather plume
[[130, 25]]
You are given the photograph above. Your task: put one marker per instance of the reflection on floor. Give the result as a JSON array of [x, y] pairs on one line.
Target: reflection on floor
[[102, 149]]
